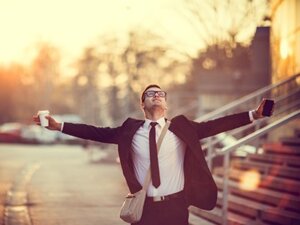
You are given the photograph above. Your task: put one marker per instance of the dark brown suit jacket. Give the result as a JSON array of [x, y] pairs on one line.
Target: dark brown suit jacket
[[200, 188]]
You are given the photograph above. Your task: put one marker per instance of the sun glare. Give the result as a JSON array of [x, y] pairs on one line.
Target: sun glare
[[72, 26], [69, 25], [250, 180], [284, 49]]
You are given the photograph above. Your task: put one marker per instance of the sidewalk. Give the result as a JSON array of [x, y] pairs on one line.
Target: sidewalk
[[67, 189]]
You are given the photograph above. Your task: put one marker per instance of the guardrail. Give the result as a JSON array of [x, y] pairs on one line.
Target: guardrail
[[287, 98], [227, 150]]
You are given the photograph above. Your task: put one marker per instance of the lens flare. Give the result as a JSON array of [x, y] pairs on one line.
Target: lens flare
[[250, 180]]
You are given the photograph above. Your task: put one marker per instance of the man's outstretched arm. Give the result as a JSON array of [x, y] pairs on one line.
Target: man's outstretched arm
[[84, 131], [216, 126]]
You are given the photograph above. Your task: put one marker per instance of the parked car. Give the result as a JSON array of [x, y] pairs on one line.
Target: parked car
[[11, 132], [34, 134], [38, 135]]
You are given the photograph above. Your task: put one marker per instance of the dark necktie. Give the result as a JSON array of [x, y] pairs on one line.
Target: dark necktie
[[153, 156]]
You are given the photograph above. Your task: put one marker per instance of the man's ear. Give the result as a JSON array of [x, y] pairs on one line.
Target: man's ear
[[142, 105]]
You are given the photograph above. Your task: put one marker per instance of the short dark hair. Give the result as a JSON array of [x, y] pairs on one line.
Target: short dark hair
[[149, 86]]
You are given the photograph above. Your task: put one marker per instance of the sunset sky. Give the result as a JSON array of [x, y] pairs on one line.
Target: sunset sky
[[73, 25]]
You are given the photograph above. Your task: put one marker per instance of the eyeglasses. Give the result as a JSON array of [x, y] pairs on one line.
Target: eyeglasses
[[153, 93]]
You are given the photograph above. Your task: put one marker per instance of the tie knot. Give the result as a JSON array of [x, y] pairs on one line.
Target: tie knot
[[153, 124]]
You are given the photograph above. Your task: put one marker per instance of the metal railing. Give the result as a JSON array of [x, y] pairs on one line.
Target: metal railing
[[210, 145], [254, 98], [227, 150], [286, 95]]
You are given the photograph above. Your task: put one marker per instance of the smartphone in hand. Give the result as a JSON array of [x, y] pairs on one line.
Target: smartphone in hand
[[268, 106]]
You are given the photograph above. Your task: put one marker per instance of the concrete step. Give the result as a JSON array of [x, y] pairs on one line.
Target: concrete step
[[290, 161], [291, 141], [253, 209], [263, 195], [263, 168], [215, 216], [280, 217], [297, 132], [266, 181], [243, 211], [280, 148]]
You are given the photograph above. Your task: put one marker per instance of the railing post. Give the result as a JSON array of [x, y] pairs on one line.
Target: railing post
[[209, 153], [225, 188]]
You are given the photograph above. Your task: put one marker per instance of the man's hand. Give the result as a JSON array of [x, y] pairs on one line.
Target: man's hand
[[53, 124], [258, 112]]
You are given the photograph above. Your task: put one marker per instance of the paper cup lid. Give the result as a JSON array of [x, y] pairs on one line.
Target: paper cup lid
[[43, 111]]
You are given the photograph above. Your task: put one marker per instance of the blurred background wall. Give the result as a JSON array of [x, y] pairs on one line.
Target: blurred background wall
[[285, 38]]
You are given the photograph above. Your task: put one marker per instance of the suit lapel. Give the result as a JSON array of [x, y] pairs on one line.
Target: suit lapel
[[129, 131], [182, 130], [133, 129]]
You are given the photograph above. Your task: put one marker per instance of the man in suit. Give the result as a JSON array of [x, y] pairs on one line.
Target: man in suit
[[180, 176]]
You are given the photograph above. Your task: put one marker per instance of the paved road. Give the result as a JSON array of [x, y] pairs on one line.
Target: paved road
[[58, 185]]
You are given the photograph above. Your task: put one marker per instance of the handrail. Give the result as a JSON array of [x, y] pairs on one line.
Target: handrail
[[285, 94], [218, 152], [245, 99], [243, 128], [209, 145], [228, 149], [259, 132]]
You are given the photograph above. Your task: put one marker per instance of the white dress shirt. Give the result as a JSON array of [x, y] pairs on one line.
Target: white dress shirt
[[170, 159]]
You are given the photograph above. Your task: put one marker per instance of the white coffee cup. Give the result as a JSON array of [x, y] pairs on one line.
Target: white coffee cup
[[42, 115]]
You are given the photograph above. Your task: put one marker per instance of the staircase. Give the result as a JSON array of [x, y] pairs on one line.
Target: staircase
[[264, 188]]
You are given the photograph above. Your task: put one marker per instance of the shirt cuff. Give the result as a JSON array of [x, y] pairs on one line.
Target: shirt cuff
[[251, 115], [62, 126]]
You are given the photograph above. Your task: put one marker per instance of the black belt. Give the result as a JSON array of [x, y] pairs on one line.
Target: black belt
[[166, 197]]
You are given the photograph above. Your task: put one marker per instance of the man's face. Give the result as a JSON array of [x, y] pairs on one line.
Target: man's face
[[154, 98]]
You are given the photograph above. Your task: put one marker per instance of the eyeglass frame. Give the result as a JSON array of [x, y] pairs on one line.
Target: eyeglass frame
[[154, 93]]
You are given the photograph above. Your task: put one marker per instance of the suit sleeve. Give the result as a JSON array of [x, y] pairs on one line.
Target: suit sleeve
[[213, 127], [100, 134]]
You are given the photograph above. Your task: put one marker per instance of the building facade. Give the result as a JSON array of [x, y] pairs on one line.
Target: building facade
[[285, 38]]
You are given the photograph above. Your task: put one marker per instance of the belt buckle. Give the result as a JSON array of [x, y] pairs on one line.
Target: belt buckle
[[158, 198]]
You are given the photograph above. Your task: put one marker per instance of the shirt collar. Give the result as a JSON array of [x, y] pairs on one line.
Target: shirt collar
[[161, 122]]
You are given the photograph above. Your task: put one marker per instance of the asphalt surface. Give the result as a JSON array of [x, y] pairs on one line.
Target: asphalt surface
[[59, 185], [62, 185]]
